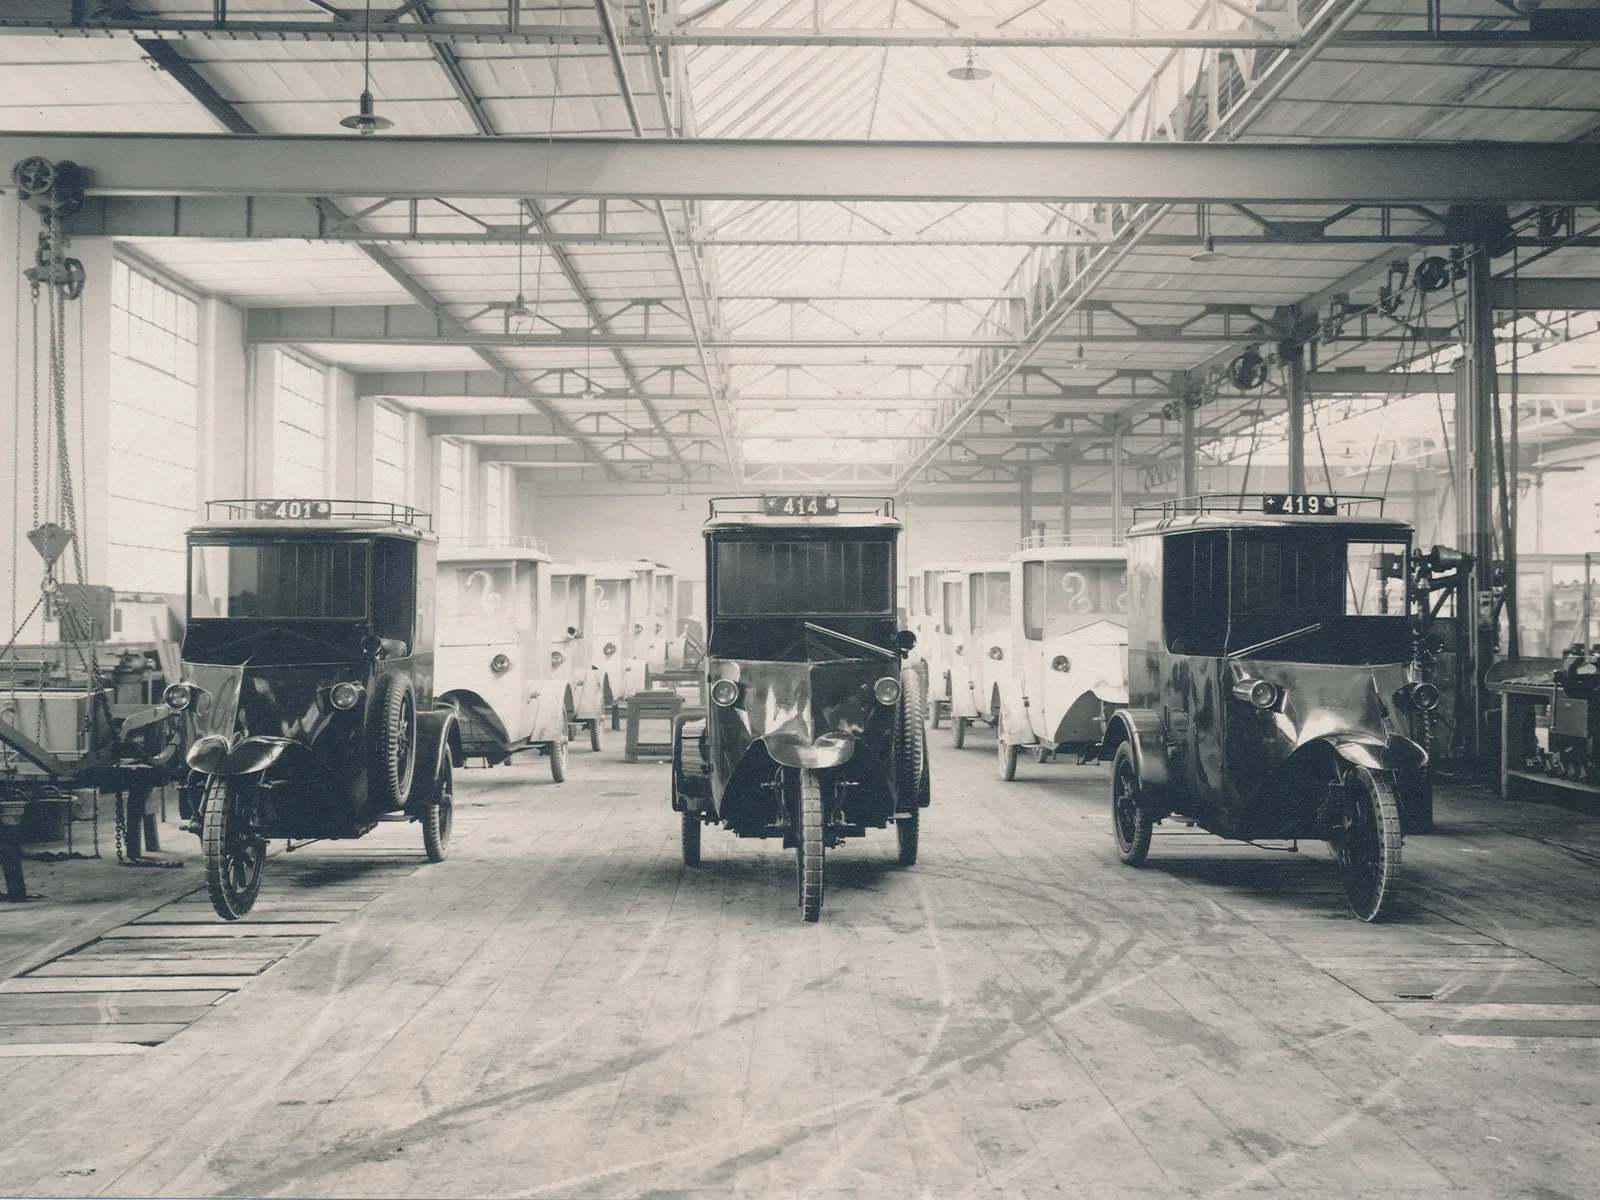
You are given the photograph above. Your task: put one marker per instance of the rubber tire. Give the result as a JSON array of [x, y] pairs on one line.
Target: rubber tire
[[808, 848], [232, 891], [1008, 756], [906, 833], [1367, 845], [393, 742], [11, 866], [1132, 830], [595, 741], [691, 838], [558, 760], [958, 731], [936, 713], [910, 753], [440, 813]]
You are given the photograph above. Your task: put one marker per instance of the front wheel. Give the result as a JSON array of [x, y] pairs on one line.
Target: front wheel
[[808, 846], [1129, 822], [958, 730], [1008, 755], [906, 831], [558, 760], [436, 818], [594, 735], [234, 849], [1367, 842], [691, 838]]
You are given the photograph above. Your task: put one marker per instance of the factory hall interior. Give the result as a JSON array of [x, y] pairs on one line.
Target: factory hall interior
[[856, 599]]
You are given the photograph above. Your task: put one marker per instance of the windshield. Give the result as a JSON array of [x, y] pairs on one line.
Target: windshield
[[990, 593], [1058, 597], [1336, 599], [289, 580], [486, 591], [610, 598], [804, 578]]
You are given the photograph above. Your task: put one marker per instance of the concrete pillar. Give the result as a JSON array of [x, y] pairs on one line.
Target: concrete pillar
[[347, 455], [422, 474], [1116, 480], [223, 386], [1025, 480], [1292, 354], [19, 580], [1189, 482], [259, 420]]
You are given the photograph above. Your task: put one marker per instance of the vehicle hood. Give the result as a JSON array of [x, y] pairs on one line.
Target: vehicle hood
[[826, 704], [1338, 701], [238, 702]]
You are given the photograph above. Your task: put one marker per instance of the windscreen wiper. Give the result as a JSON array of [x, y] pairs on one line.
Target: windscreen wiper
[[854, 641], [1273, 641]]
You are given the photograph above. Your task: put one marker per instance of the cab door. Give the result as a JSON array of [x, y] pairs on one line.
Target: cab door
[[953, 622], [1030, 653]]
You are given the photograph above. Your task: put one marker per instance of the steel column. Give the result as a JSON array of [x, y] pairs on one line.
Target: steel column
[[1474, 495], [1293, 356], [1025, 481], [1190, 479], [1117, 430], [1066, 498]]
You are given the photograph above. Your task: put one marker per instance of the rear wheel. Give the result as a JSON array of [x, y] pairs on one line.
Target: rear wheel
[[234, 849], [906, 831], [1008, 755], [1367, 842], [594, 735], [436, 818], [691, 838], [808, 846], [958, 730], [558, 760], [1128, 821]]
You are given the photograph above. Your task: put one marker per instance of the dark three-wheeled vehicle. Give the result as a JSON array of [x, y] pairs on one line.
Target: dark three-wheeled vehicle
[[807, 734], [308, 683], [1273, 686]]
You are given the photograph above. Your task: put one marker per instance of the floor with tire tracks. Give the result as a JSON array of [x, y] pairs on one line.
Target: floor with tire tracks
[[563, 1009]]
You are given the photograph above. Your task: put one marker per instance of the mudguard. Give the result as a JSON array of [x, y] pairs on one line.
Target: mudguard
[[1015, 728], [1397, 754], [963, 699], [1142, 730], [633, 677], [436, 730], [212, 755], [591, 695], [828, 750], [553, 709]]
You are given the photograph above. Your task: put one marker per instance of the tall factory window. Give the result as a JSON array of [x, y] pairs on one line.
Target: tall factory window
[[447, 520], [301, 411], [496, 500], [389, 447], [153, 428]]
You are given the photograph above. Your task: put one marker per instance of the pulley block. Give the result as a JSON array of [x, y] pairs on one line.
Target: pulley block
[[1433, 274], [49, 187], [1248, 371]]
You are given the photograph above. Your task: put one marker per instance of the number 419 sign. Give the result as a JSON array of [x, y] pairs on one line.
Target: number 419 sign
[[1299, 504], [800, 506]]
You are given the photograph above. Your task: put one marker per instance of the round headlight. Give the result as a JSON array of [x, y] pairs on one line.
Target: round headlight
[[557, 658], [609, 649], [887, 690], [1061, 663], [178, 696], [1263, 694], [996, 653], [960, 646], [638, 629], [1425, 696], [500, 664], [724, 692], [344, 696], [658, 626]]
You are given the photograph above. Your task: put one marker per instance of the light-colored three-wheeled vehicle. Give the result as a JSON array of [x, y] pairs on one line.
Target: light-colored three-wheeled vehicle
[[922, 593], [571, 606], [982, 653], [656, 626], [492, 658], [1070, 629], [617, 604], [1274, 687]]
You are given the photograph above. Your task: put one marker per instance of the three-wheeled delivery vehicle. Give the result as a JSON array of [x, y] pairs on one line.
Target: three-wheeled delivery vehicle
[[616, 601], [493, 663], [924, 617], [808, 735], [1069, 672], [983, 648], [308, 683], [570, 660], [1274, 691]]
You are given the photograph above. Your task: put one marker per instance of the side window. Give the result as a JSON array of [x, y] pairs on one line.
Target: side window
[[1194, 600], [1033, 601], [394, 584]]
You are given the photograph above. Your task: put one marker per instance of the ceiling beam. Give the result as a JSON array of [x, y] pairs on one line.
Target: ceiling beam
[[765, 169]]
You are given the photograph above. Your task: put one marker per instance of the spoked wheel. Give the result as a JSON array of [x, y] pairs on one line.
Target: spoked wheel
[[1367, 842], [558, 760], [234, 849], [958, 730], [437, 816], [906, 829], [1128, 821], [1008, 755], [808, 846], [594, 735], [691, 838]]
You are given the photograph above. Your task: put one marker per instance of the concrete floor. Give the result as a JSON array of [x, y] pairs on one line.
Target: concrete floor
[[562, 1009]]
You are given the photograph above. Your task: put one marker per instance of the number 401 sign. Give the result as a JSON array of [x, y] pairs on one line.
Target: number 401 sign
[[800, 506]]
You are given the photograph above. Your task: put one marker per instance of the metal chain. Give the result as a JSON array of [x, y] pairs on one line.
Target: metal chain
[[16, 421], [122, 827], [97, 823]]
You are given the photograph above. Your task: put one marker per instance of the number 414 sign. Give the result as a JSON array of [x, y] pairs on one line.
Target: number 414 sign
[[800, 506]]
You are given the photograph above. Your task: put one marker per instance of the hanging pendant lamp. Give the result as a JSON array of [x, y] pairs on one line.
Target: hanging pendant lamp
[[366, 121]]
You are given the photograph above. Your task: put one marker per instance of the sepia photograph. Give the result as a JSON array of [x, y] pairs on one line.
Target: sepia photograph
[[800, 599]]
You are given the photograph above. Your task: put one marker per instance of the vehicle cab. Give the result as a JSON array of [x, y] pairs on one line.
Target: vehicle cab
[[493, 659], [1070, 631], [1274, 691], [983, 647], [616, 606], [571, 660]]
